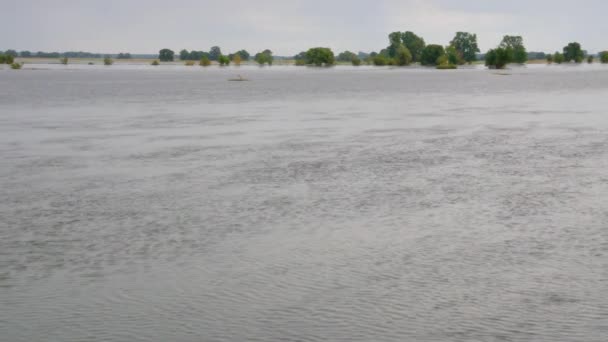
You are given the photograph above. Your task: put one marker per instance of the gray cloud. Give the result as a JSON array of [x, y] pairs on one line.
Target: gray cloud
[[288, 27]]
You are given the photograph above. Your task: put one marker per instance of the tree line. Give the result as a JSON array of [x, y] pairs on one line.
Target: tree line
[[67, 54], [404, 48], [215, 54]]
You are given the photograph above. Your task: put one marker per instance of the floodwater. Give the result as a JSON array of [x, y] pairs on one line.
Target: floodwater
[[169, 204]]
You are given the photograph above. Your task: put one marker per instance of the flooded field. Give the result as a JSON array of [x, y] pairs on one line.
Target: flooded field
[[344, 204]]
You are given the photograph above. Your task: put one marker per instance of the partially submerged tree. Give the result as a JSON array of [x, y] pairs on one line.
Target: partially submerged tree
[[184, 55], [414, 44], [604, 57], [498, 58], [214, 53], [346, 56], [573, 52], [516, 49], [466, 45], [264, 57], [403, 56], [108, 61], [356, 61], [431, 54], [558, 58], [64, 60], [590, 59], [155, 63], [320, 56], [166, 55], [223, 60]]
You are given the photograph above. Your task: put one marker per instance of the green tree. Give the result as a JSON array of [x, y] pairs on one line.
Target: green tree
[[108, 61], [413, 43], [403, 56], [16, 66], [431, 54], [320, 56], [498, 58], [558, 58], [244, 55], [356, 61], [573, 52], [453, 56], [166, 55], [395, 41], [346, 56], [264, 57], [516, 48], [205, 62], [604, 57], [590, 59], [466, 45], [223, 60], [11, 53], [549, 59], [215, 53], [184, 55]]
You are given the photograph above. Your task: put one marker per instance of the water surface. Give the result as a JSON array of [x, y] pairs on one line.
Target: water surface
[[168, 204]]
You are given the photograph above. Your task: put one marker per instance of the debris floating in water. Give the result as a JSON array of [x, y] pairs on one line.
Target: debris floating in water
[[238, 79]]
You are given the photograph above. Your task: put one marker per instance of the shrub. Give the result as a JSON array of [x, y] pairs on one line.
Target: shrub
[[604, 57], [16, 66], [64, 61], [356, 61], [155, 63], [590, 59], [236, 59], [189, 63], [558, 58], [300, 62], [108, 61], [380, 60], [205, 62], [443, 63], [447, 66]]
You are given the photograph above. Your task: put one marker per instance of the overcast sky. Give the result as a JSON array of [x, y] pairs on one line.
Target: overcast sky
[[290, 26]]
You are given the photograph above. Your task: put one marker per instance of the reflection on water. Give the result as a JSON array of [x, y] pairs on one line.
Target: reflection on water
[[168, 204]]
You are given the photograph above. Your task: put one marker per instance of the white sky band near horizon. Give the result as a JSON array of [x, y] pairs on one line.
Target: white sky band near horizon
[[288, 27]]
